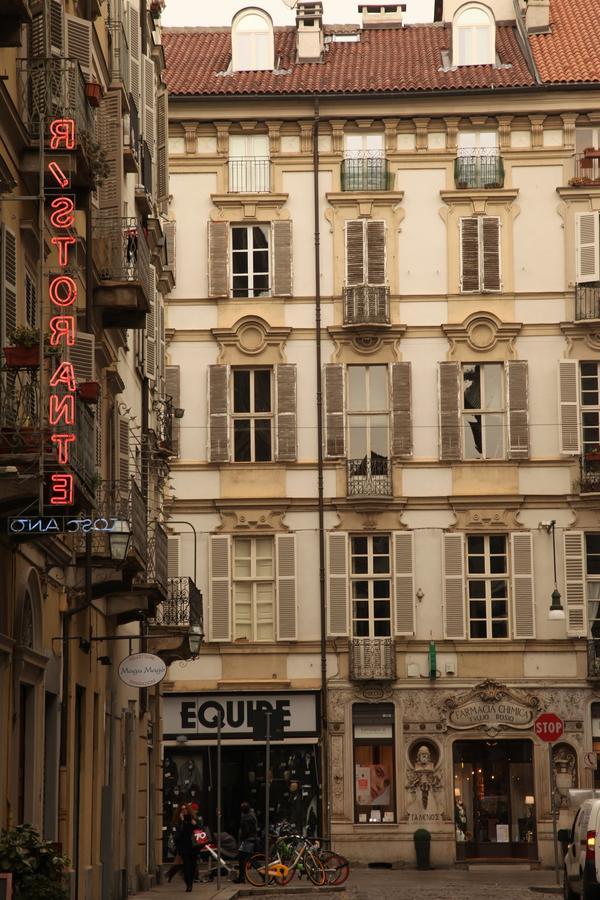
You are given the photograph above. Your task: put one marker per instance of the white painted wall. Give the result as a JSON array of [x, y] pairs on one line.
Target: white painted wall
[[538, 230], [422, 241], [191, 207]]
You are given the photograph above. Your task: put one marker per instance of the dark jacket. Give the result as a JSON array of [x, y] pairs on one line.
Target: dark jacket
[[248, 827], [184, 838]]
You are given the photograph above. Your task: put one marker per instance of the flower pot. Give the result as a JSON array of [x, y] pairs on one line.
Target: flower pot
[[19, 357], [89, 391], [93, 92], [422, 840]]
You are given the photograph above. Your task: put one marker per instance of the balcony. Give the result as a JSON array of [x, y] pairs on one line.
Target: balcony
[[587, 302], [183, 606], [372, 659], [369, 477], [367, 304], [163, 410], [13, 14], [587, 168], [593, 655], [478, 169], [131, 150], [154, 580], [589, 481], [366, 173], [119, 57], [121, 501], [122, 260], [249, 175]]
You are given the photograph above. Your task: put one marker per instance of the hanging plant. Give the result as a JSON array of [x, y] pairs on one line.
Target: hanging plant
[[24, 349], [96, 157]]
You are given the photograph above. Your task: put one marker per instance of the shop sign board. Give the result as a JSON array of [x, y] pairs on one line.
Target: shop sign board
[[490, 706], [196, 715], [549, 727], [61, 525], [142, 670]]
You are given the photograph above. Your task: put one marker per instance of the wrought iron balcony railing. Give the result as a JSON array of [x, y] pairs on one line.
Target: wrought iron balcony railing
[[590, 472], [123, 501], [587, 168], [163, 410], [593, 655], [372, 659], [146, 172], [587, 302], [51, 88], [119, 59], [369, 477], [250, 175], [158, 563], [367, 304], [183, 606], [366, 173], [121, 252], [478, 169], [134, 127]]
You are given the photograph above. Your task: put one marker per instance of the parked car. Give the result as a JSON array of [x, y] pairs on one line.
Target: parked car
[[582, 859]]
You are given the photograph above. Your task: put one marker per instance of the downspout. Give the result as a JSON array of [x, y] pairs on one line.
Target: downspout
[[326, 811]]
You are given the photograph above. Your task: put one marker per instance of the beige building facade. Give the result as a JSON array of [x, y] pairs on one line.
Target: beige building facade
[[401, 569]]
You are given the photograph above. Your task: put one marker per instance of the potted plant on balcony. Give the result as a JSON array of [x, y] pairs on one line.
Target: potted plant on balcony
[[592, 453], [24, 349], [156, 8], [93, 92], [89, 391]]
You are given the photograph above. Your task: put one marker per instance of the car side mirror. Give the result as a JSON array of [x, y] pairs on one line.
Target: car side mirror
[[564, 835]]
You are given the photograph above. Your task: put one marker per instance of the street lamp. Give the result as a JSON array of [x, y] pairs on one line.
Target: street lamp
[[195, 638], [556, 611], [118, 540]]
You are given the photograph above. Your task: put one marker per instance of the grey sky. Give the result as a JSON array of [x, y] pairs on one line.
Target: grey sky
[[221, 12]]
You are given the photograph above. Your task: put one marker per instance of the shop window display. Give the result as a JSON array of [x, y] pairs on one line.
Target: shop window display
[[190, 776], [374, 791]]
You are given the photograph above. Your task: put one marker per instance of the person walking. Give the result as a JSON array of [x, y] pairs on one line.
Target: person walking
[[187, 847], [247, 836]]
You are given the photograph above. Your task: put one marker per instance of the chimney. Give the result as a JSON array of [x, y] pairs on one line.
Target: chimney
[[382, 15], [537, 16], [309, 31]]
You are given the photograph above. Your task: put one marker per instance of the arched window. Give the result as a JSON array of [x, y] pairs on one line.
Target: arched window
[[252, 41], [473, 37]]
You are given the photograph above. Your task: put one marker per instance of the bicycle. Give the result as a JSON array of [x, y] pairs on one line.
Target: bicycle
[[297, 855]]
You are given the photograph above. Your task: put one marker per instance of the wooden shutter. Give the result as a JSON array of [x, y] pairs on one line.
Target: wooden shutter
[[31, 304], [81, 354], [282, 258], [162, 350], [220, 588], [334, 410], [286, 587], [148, 91], [110, 136], [99, 437], [337, 581], [574, 551], [123, 450], [57, 27], [173, 556], [173, 390], [518, 424], [79, 42], [469, 254], [587, 247], [355, 252], [568, 393], [169, 229], [375, 251], [150, 333], [454, 586], [522, 584], [218, 414], [449, 402], [404, 588], [402, 444], [134, 36], [285, 376], [490, 244], [162, 150], [8, 283], [218, 249]]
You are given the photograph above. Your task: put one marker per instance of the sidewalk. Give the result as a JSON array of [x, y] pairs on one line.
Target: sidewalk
[[229, 891]]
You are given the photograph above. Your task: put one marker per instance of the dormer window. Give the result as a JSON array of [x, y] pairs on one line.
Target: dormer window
[[253, 48], [473, 36]]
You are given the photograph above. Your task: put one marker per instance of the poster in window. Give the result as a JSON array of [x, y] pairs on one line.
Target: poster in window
[[380, 785], [362, 778]]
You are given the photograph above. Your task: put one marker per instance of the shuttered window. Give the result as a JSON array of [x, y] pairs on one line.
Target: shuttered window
[[173, 393], [575, 576], [337, 584], [365, 252], [480, 254], [371, 585], [81, 354], [8, 283], [252, 413], [253, 261], [110, 135], [454, 586], [487, 586], [592, 569], [402, 441], [587, 247], [253, 589], [522, 585], [334, 410], [79, 42], [568, 408], [286, 412], [162, 150]]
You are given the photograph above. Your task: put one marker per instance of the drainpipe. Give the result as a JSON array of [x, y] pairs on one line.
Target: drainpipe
[[326, 815]]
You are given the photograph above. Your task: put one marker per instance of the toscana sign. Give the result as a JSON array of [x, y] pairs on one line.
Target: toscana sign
[[142, 670]]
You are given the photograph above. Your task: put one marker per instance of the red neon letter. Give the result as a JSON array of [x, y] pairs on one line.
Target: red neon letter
[[62, 490], [62, 441], [62, 326], [61, 408], [64, 374], [56, 171], [62, 217], [63, 244], [63, 281], [62, 132]]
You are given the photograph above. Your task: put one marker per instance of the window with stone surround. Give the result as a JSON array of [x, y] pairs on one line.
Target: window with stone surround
[[253, 589], [487, 585]]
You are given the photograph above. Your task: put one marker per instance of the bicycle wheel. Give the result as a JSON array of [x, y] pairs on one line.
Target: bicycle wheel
[[314, 868], [255, 870], [337, 868]]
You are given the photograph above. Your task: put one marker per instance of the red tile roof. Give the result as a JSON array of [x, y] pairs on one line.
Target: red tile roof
[[571, 51], [384, 60]]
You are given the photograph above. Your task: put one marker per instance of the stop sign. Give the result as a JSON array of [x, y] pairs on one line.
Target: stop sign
[[549, 727]]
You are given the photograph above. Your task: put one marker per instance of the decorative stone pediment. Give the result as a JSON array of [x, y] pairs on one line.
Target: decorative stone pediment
[[471, 518], [482, 332], [251, 336], [353, 346], [480, 202], [492, 707], [252, 520], [238, 206], [581, 337]]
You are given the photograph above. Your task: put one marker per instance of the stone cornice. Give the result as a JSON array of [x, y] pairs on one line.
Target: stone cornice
[[247, 204]]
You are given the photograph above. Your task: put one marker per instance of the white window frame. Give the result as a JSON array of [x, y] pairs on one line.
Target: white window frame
[[252, 415], [487, 577], [261, 59], [470, 143], [254, 580], [364, 139], [371, 577], [368, 413], [581, 142], [472, 57], [249, 163], [250, 257], [484, 412]]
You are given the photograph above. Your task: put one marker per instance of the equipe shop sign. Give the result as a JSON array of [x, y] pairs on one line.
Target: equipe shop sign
[[142, 670], [196, 715]]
